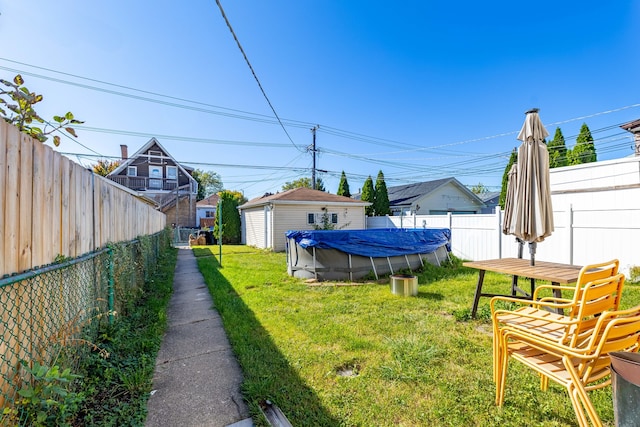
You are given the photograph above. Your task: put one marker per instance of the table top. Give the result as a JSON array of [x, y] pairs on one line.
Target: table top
[[551, 271]]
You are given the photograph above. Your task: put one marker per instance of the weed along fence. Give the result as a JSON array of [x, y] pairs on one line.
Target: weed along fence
[[51, 314], [52, 207]]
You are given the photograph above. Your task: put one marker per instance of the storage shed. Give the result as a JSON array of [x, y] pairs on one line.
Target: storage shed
[[266, 219]]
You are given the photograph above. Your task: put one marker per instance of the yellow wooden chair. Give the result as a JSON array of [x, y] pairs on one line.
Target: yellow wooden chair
[[581, 367], [597, 289]]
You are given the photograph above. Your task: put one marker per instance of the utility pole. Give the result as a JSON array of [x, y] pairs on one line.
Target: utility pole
[[313, 153]]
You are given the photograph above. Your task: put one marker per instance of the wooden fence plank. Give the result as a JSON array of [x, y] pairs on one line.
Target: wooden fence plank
[[56, 205], [12, 203], [49, 251], [65, 233], [3, 174], [38, 207], [25, 243]]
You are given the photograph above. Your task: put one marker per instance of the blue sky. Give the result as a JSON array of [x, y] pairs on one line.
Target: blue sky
[[418, 89]]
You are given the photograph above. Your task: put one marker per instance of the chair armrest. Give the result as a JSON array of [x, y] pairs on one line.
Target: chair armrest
[[552, 288], [561, 304]]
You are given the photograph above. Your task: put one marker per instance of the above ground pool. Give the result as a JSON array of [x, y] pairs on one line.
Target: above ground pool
[[354, 254]]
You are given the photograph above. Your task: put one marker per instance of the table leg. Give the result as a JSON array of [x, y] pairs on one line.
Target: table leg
[[476, 297], [558, 294]]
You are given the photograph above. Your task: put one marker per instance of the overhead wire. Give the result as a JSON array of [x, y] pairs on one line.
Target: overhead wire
[[255, 76], [415, 171], [293, 123]]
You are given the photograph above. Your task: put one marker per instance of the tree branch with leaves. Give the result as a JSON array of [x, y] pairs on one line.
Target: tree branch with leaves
[[16, 108]]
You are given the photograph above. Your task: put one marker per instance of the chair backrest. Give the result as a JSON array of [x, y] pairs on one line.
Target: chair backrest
[[588, 274], [595, 298], [614, 331], [592, 272]]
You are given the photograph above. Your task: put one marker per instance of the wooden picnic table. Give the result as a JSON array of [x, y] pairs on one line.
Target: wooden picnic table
[[555, 273]]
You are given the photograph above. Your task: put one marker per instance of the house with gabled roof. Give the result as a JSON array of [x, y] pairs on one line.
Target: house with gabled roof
[[206, 211], [440, 196], [266, 219], [154, 173]]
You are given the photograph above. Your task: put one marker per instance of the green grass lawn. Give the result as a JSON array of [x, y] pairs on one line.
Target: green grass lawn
[[357, 355]]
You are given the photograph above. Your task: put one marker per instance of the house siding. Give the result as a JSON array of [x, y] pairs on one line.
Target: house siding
[[294, 217], [448, 198]]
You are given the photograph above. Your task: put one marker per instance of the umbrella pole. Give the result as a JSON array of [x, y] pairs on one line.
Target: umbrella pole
[[514, 280], [520, 246], [532, 251]]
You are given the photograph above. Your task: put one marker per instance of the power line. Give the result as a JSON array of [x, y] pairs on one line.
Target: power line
[[254, 74], [292, 123]]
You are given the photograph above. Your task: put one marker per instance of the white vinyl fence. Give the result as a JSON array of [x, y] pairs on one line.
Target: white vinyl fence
[[581, 236]]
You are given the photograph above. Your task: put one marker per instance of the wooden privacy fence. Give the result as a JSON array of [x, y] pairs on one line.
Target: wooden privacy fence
[[51, 206]]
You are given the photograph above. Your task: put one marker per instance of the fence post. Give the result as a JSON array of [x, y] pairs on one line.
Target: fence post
[[499, 224], [110, 286], [570, 231]]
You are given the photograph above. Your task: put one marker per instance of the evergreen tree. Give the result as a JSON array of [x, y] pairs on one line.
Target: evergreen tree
[[505, 177], [381, 197], [368, 195], [230, 217], [343, 187], [585, 150], [557, 151]]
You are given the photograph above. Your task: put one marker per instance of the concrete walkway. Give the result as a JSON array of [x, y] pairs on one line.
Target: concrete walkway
[[197, 377]]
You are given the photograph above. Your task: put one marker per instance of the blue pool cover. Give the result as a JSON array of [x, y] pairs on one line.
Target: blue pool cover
[[377, 242]]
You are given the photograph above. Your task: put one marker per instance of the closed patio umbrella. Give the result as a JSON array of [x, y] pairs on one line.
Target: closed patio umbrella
[[531, 216]]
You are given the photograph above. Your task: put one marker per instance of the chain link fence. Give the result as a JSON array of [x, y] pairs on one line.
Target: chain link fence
[[56, 310]]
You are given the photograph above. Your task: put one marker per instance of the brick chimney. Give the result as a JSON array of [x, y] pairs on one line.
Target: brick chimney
[[124, 152]]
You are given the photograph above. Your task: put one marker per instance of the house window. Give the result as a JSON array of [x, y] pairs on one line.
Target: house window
[[172, 173], [155, 177], [210, 214], [318, 218], [155, 157], [132, 171]]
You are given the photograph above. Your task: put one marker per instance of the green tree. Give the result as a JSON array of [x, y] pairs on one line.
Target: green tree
[[368, 195], [16, 98], [343, 187], [208, 183], [304, 182], [505, 177], [557, 150], [104, 167], [381, 197], [585, 150], [228, 204], [479, 188]]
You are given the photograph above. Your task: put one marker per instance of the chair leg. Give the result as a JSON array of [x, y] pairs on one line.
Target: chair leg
[[579, 397], [544, 382], [503, 363], [496, 354]]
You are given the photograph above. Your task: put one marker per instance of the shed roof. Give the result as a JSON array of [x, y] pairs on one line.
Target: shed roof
[[302, 195]]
